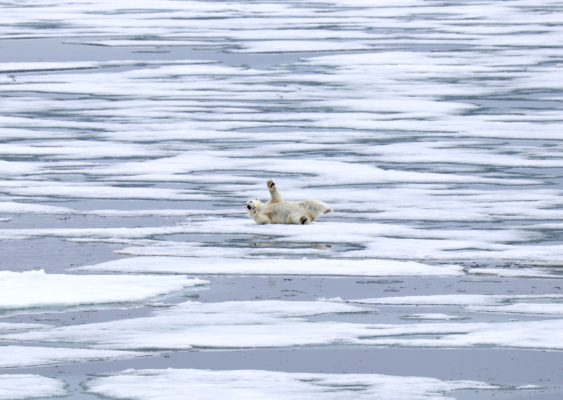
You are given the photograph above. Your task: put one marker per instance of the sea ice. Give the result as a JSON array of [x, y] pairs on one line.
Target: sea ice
[[243, 324], [32, 289], [27, 386], [253, 384], [16, 168], [30, 356], [522, 308], [272, 266], [526, 272], [256, 324], [433, 129], [543, 334], [376, 240], [18, 326], [9, 207], [93, 191], [432, 317], [455, 299], [502, 304]]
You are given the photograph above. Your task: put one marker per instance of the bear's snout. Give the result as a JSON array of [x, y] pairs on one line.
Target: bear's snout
[[248, 207]]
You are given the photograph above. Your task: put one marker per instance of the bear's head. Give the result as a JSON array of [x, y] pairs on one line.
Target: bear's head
[[252, 205]]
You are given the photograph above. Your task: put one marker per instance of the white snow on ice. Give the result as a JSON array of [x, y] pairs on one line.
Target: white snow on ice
[[502, 304], [432, 317], [543, 335], [555, 309], [258, 324], [406, 129], [254, 384], [376, 240], [27, 386], [18, 326], [455, 299], [29, 356], [236, 324], [267, 266], [32, 289]]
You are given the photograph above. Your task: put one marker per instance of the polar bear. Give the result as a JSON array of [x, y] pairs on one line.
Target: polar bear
[[280, 211]]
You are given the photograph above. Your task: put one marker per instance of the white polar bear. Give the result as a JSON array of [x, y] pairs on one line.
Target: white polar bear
[[280, 211]]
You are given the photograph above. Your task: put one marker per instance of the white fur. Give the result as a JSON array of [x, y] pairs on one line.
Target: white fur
[[280, 211]]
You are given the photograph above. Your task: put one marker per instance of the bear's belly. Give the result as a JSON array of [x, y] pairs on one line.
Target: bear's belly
[[281, 213]]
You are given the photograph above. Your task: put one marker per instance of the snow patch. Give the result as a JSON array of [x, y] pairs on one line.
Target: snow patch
[[271, 266], [27, 386], [258, 324], [22, 356], [33, 289], [253, 384]]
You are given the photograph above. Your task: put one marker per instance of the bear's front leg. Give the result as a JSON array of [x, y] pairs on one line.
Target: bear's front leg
[[261, 218]]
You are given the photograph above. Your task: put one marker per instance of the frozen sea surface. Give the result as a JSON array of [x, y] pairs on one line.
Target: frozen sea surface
[[26, 386], [132, 135], [244, 384]]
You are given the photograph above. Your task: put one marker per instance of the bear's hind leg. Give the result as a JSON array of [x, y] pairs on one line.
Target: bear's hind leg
[[299, 219], [274, 193], [315, 208]]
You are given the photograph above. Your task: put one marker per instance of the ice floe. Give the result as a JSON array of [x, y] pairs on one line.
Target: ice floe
[[272, 266], [73, 190], [245, 384], [34, 289], [353, 240], [30, 356], [502, 304], [243, 324], [544, 334], [524, 272], [16, 168], [9, 207], [432, 317], [373, 240], [258, 324], [455, 299], [18, 326], [522, 308], [417, 181], [27, 386]]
